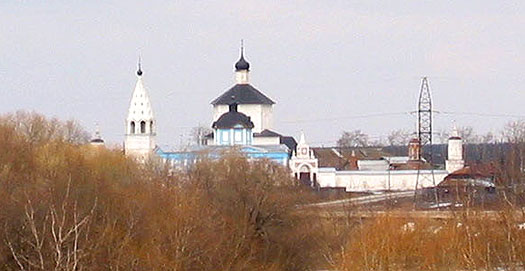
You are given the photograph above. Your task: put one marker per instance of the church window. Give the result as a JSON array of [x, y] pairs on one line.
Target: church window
[[248, 136], [132, 127], [238, 135], [151, 127], [142, 127], [225, 136]]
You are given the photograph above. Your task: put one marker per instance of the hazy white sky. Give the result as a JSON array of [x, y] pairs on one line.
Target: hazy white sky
[[326, 63]]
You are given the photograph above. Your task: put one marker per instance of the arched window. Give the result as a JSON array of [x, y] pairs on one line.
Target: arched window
[[151, 127], [304, 168], [132, 127], [142, 127]]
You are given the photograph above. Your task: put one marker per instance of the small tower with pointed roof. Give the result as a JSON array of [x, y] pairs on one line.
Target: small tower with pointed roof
[[140, 122], [455, 159], [303, 164], [97, 139]]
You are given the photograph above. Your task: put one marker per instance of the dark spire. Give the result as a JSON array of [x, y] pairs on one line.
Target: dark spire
[[242, 64], [139, 71]]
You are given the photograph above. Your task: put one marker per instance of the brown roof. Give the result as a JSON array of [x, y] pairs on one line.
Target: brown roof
[[474, 171], [411, 165], [346, 158]]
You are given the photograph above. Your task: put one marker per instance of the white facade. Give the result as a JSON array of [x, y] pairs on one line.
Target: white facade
[[234, 136], [373, 175], [362, 180], [241, 77], [303, 163], [455, 155], [260, 114], [140, 123], [455, 159], [267, 140]]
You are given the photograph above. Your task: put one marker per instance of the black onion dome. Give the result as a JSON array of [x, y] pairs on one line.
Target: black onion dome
[[231, 119], [242, 64]]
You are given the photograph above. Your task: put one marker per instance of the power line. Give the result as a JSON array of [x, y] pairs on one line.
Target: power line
[[376, 115], [480, 114], [348, 117]]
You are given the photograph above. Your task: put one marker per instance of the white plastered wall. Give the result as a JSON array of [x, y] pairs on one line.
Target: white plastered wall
[[455, 155], [266, 140], [360, 181], [139, 146]]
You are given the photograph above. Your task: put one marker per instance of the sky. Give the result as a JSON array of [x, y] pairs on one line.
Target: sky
[[331, 66]]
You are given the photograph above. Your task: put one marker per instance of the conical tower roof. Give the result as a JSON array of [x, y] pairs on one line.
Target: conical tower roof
[[140, 106]]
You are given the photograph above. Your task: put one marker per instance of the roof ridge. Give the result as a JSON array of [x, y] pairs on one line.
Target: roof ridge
[[242, 94]]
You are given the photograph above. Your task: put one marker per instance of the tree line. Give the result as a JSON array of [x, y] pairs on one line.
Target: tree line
[[512, 132], [66, 205]]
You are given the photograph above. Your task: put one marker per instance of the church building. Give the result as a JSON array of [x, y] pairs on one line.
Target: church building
[[140, 135], [243, 120]]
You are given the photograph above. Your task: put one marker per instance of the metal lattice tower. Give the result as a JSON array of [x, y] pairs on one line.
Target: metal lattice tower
[[424, 117], [424, 134]]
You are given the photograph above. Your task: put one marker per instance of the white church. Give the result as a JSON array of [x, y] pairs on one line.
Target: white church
[[243, 119]]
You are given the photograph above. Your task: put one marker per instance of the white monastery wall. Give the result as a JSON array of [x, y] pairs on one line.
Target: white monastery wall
[[360, 181]]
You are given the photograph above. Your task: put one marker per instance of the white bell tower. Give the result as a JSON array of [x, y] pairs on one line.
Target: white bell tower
[[140, 123], [455, 159]]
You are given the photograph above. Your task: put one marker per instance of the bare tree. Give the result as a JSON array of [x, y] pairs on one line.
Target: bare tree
[[199, 133], [443, 136], [487, 138], [467, 134], [514, 134], [53, 240], [398, 137], [74, 133], [37, 128], [354, 138], [514, 131]]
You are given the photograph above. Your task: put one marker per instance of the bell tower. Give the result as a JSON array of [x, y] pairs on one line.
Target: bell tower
[[455, 160], [140, 123]]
